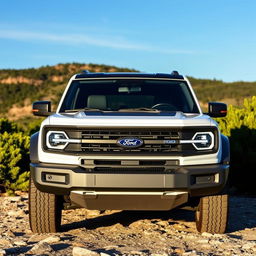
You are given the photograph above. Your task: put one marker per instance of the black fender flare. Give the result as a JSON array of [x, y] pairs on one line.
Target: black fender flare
[[34, 148], [225, 158]]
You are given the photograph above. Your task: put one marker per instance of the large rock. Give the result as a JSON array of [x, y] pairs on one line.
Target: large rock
[[41, 248], [50, 240], [20, 243], [37, 238], [80, 251]]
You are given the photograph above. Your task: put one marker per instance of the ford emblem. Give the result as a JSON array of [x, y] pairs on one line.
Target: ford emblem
[[130, 142]]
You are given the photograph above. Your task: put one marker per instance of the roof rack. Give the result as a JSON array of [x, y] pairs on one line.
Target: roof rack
[[129, 74]]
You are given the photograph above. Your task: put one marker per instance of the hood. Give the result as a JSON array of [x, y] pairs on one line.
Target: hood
[[177, 119]]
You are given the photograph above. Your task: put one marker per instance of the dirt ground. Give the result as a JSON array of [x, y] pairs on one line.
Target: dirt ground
[[127, 232]]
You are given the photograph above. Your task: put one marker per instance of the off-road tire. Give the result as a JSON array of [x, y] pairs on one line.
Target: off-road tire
[[44, 211], [212, 214]]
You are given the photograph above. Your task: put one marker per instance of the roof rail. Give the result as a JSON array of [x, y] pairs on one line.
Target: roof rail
[[86, 71], [175, 73]]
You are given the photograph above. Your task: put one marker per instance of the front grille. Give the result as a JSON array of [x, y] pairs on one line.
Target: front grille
[[106, 141], [99, 142]]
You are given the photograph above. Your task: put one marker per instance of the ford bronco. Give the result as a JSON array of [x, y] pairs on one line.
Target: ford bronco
[[128, 141]]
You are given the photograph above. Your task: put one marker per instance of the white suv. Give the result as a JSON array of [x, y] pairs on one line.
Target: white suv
[[129, 141]]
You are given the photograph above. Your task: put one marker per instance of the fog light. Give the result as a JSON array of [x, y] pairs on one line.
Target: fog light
[[54, 178], [206, 179]]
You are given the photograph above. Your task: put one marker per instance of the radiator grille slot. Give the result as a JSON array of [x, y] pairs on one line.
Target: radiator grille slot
[[127, 170], [129, 165]]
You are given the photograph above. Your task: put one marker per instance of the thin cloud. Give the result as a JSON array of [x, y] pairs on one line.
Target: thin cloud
[[78, 39]]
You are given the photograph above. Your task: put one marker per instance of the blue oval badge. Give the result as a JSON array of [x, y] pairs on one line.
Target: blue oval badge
[[130, 142]]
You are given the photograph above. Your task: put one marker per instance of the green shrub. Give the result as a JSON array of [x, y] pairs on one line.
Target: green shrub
[[34, 126], [238, 117], [30, 125], [240, 126], [14, 161], [8, 126]]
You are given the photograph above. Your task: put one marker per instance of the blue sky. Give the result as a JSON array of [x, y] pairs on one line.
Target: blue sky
[[200, 38]]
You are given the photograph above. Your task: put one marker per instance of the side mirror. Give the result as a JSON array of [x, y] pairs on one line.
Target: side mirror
[[217, 109], [41, 108]]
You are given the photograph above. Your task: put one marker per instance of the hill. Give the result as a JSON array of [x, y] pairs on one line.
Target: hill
[[20, 87]]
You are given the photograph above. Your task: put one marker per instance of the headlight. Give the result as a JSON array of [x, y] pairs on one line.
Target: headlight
[[56, 139], [203, 140]]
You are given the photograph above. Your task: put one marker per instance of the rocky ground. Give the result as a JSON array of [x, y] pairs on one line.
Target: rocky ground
[[127, 233]]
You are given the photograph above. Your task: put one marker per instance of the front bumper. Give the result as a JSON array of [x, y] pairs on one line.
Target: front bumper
[[198, 180]]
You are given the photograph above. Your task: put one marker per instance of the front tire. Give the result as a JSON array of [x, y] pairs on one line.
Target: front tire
[[212, 214], [44, 210]]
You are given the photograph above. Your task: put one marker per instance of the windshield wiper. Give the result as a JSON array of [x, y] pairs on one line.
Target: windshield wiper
[[82, 109], [138, 109]]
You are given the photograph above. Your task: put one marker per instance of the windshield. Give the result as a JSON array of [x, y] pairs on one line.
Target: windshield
[[129, 94]]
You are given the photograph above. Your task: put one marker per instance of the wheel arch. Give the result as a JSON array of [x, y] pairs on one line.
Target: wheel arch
[[33, 150], [225, 158]]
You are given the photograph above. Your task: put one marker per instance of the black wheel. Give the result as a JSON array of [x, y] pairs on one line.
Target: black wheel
[[212, 214], [44, 211]]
